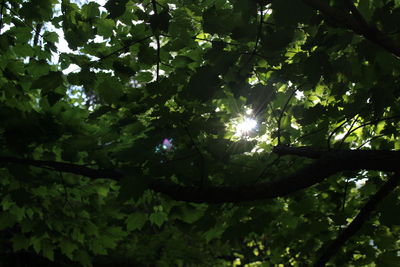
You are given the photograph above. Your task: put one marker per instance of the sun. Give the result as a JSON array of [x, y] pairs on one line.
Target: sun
[[245, 126]]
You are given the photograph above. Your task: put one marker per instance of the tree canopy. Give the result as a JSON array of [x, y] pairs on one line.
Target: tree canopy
[[200, 133]]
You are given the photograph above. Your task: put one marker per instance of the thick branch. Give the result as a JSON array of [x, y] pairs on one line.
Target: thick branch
[[360, 27], [383, 160], [358, 221], [64, 167], [327, 164], [304, 178]]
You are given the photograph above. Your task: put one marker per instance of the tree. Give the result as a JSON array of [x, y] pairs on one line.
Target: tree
[[204, 133]]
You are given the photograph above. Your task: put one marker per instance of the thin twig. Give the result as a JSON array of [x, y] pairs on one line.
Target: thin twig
[[65, 189], [346, 185], [310, 133], [272, 112], [133, 42], [264, 171], [259, 32], [334, 131], [165, 7], [374, 122], [202, 165], [348, 132], [358, 221], [351, 22], [369, 140], [157, 36], [210, 41], [180, 158], [26, 24], [356, 14], [281, 115], [1, 14], [37, 32]]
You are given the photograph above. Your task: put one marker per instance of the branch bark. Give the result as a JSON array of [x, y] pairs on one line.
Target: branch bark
[[359, 26], [64, 167], [326, 164], [358, 221]]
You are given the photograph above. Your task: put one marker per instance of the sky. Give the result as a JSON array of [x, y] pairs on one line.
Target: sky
[[62, 44]]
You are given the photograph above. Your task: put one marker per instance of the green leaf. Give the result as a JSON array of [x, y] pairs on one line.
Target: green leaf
[[289, 12], [20, 242], [197, 89], [47, 249], [388, 205], [98, 249], [144, 77], [67, 248], [36, 243], [105, 27], [133, 184], [219, 21], [48, 82], [51, 37], [136, 221], [7, 220], [90, 10], [37, 10], [181, 61], [388, 259], [77, 154], [77, 235], [83, 258], [115, 7], [160, 21], [190, 214], [110, 90], [158, 218], [213, 233]]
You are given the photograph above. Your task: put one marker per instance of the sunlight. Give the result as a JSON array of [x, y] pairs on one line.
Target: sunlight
[[246, 126]]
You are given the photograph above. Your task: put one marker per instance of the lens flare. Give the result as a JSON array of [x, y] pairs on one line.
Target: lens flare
[[246, 126], [166, 144]]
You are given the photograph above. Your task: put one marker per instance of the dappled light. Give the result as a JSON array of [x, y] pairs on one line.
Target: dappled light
[[199, 133]]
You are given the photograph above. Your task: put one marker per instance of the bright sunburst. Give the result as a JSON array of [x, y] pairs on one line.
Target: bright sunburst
[[245, 127]]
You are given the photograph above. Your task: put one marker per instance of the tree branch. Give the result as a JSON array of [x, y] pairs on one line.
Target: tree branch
[[38, 28], [348, 131], [352, 22], [373, 122], [64, 167], [127, 45], [356, 14], [281, 116], [157, 36], [335, 130], [360, 157], [202, 161], [327, 163], [3, 2], [358, 221]]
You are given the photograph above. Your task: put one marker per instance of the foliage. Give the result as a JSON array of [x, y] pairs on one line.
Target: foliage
[[122, 149]]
